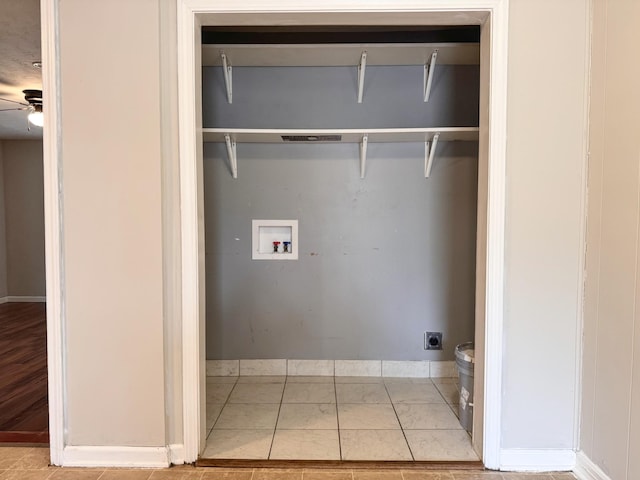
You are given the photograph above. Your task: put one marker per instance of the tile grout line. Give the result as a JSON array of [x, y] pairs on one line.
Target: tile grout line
[[275, 427], [335, 392], [453, 409], [226, 402], [404, 435], [450, 405]]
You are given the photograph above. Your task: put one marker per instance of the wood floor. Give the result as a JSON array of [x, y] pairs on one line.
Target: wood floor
[[23, 373]]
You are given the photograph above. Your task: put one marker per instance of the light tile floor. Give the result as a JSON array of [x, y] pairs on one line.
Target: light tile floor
[[412, 421], [22, 463], [335, 418]]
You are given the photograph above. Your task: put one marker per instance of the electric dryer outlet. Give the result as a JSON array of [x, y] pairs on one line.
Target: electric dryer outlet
[[433, 340]]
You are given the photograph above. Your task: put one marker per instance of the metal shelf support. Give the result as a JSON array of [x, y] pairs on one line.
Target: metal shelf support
[[361, 69], [231, 152], [429, 152], [228, 79], [428, 75], [363, 155]]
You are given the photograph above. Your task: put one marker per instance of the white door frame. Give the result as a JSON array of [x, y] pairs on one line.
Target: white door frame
[[190, 15], [190, 156], [54, 259], [193, 372]]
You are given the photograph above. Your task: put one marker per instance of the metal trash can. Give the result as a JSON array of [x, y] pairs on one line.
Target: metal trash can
[[465, 360]]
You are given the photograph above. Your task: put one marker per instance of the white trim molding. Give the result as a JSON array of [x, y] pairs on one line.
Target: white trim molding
[[176, 454], [22, 299], [587, 470], [190, 15], [192, 356], [537, 460], [496, 206], [107, 456], [54, 258]]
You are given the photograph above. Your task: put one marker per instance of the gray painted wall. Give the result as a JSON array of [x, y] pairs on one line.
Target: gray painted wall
[[24, 217], [382, 259], [325, 97]]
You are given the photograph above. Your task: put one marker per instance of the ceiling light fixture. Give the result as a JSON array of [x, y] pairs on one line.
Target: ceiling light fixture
[[33, 107], [34, 99], [36, 116]]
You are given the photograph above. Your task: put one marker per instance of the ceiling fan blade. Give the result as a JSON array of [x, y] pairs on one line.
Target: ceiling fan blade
[[11, 109], [13, 101]]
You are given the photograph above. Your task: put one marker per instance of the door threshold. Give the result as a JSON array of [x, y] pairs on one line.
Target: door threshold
[[341, 464]]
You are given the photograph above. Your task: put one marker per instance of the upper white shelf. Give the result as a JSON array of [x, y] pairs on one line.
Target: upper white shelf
[[348, 135], [311, 55]]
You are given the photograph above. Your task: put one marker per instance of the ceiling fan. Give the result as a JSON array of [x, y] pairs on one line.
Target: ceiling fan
[[33, 106]]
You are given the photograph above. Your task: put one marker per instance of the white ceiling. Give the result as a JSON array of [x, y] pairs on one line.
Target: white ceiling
[[19, 48]]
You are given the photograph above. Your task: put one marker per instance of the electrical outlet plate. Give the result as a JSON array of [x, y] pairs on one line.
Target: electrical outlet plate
[[433, 340]]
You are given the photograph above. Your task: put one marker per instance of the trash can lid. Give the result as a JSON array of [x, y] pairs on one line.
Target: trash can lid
[[466, 352]]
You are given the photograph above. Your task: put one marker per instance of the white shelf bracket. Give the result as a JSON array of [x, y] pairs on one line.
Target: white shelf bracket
[[363, 155], [361, 69], [429, 152], [231, 152], [228, 79], [429, 68]]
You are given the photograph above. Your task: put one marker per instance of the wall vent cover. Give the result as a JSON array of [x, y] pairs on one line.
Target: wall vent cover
[[311, 138]]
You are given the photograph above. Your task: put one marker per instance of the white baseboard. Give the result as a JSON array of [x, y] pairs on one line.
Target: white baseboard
[[324, 368], [537, 460], [223, 368], [401, 368], [176, 454], [17, 298], [587, 470], [104, 456], [340, 368], [358, 368], [263, 367]]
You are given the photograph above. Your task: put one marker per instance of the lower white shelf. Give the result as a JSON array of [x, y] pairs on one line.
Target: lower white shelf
[[345, 135], [430, 137]]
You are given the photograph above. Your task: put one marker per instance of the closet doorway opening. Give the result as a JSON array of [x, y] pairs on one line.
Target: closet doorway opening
[[332, 248], [235, 159]]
